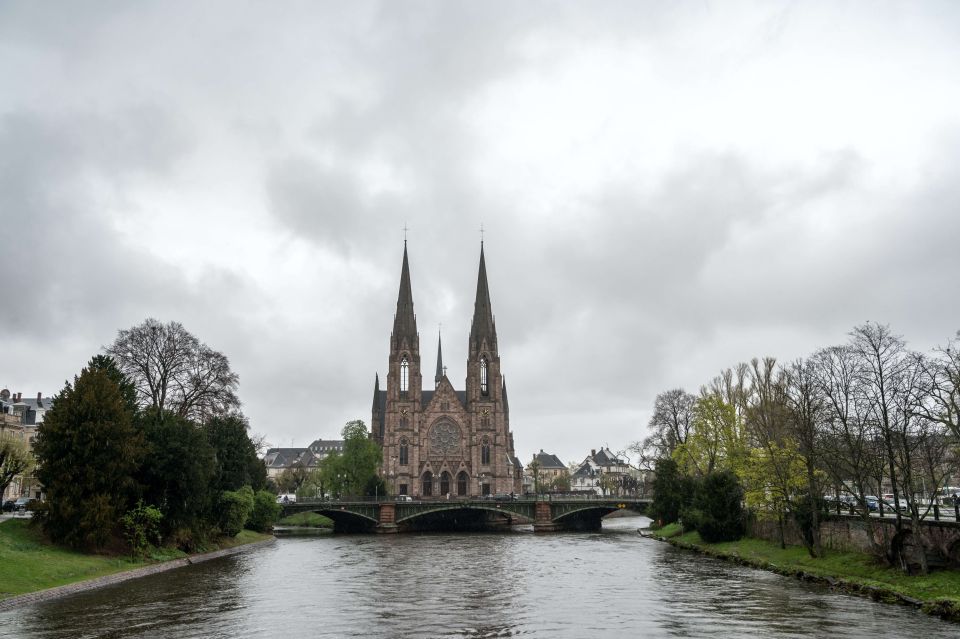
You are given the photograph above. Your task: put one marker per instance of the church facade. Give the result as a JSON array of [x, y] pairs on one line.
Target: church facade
[[442, 442]]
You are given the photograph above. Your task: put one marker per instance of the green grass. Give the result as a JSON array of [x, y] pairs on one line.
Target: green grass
[[28, 562], [856, 568], [313, 520]]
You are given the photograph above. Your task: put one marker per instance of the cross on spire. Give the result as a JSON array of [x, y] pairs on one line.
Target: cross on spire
[[405, 229], [481, 232]]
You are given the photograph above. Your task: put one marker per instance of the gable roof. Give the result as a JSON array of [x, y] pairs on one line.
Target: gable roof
[[546, 460]]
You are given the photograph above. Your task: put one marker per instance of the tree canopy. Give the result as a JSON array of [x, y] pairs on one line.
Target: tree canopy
[[170, 369]]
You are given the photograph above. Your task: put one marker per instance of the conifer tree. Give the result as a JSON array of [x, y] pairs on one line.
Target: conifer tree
[[88, 451]]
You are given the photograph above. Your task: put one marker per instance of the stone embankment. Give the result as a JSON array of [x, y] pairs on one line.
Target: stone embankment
[[116, 578]]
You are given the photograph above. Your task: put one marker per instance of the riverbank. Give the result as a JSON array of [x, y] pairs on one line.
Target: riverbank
[[32, 569], [937, 593]]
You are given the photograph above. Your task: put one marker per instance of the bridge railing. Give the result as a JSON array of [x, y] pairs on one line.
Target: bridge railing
[[471, 498]]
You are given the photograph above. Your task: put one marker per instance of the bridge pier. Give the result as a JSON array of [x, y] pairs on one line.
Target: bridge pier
[[543, 518], [388, 518]]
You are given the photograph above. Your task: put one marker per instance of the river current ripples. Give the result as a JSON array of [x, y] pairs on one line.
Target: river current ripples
[[611, 583]]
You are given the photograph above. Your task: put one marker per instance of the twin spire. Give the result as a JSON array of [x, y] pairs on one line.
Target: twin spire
[[482, 330], [405, 321]]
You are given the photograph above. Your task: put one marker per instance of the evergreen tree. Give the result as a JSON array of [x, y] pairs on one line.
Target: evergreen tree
[[88, 451], [671, 492], [235, 457], [717, 508], [178, 472]]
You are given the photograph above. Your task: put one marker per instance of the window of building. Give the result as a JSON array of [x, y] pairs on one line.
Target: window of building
[[426, 488], [485, 452], [404, 374], [404, 452], [484, 489], [462, 479], [444, 483], [483, 376], [402, 489]]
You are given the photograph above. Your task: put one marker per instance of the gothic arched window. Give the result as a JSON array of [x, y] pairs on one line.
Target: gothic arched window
[[426, 488], [404, 452], [462, 478], [483, 376], [485, 452], [444, 483], [404, 374]]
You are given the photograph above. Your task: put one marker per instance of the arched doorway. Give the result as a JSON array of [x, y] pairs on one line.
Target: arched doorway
[[426, 484], [444, 483], [462, 479]]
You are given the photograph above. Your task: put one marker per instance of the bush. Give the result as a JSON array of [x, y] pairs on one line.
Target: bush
[[235, 508], [265, 511], [141, 527], [717, 508]]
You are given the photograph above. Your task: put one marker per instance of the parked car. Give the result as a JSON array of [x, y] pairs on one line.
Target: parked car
[[24, 504], [404, 498], [8, 505], [504, 497], [872, 502]]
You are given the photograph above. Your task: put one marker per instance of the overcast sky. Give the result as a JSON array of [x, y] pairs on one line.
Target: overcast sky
[[667, 189]]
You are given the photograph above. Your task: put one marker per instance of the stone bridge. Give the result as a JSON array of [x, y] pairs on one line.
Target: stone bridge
[[547, 513]]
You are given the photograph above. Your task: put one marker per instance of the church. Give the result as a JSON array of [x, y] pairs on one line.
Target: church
[[445, 443]]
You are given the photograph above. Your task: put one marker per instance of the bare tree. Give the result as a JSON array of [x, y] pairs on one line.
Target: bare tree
[[806, 409], [849, 454], [670, 426], [942, 386], [884, 361], [172, 370], [15, 459]]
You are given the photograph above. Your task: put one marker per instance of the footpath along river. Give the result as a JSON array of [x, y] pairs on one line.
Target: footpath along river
[[611, 583]]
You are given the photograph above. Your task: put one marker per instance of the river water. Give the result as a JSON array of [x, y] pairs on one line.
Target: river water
[[610, 583]]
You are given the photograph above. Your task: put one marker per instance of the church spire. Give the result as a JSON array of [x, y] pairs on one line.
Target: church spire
[[483, 327], [440, 373], [405, 321]]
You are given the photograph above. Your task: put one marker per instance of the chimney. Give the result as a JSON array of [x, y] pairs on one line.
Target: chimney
[[39, 400], [18, 396], [593, 452]]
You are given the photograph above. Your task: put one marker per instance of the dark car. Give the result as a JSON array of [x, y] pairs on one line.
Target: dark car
[[8, 505], [504, 497], [24, 504]]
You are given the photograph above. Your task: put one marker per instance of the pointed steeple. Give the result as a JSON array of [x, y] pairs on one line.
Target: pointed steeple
[[440, 373], [405, 321], [376, 393], [506, 404], [483, 327]]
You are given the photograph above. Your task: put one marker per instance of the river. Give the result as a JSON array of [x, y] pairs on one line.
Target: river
[[610, 583]]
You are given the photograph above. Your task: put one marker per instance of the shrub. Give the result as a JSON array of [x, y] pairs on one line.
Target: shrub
[[141, 527], [265, 511], [717, 508], [235, 508]]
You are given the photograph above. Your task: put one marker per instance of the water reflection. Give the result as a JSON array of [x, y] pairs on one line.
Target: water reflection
[[606, 584]]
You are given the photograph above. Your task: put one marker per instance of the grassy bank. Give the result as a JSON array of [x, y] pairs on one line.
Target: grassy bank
[[29, 563], [937, 593], [310, 520]]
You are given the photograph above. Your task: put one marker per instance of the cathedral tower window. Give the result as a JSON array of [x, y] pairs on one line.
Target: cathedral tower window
[[404, 374], [484, 390], [462, 483], [404, 452], [485, 452]]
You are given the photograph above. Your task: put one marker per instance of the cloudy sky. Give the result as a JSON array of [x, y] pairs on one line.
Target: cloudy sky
[[666, 188]]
